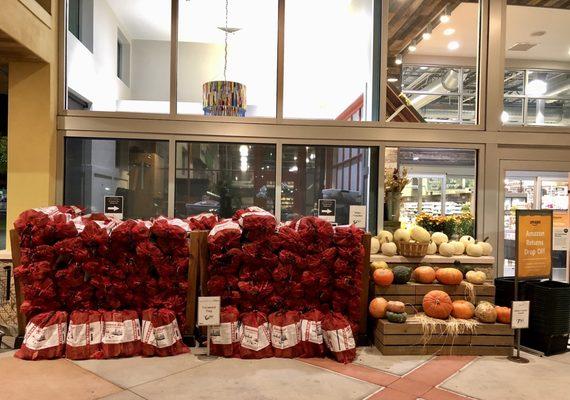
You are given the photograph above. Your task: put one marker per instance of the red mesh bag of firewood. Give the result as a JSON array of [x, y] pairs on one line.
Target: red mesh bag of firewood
[[84, 335], [121, 334], [225, 338], [338, 337], [255, 340], [312, 340], [160, 334], [45, 337], [286, 334]]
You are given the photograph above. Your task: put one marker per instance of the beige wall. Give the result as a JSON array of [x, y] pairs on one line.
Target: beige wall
[[32, 106]]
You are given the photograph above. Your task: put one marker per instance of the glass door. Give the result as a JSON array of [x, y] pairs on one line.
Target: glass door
[[531, 190]]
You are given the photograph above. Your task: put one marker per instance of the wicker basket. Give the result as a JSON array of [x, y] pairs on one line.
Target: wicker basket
[[412, 249]]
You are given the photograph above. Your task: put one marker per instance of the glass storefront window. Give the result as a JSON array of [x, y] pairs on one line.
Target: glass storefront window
[[345, 174], [223, 177], [328, 59], [436, 185], [121, 62], [3, 152], [531, 190], [134, 169], [537, 75], [433, 61], [251, 52]]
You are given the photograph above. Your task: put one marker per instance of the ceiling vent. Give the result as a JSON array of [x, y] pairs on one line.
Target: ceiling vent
[[522, 46]]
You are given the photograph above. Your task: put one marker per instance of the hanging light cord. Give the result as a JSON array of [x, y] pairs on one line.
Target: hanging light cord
[[226, 43]]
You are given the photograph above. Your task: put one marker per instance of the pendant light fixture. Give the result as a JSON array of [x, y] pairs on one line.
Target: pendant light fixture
[[224, 98]]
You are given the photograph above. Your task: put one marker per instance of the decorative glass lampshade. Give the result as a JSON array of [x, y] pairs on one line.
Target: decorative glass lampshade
[[224, 98]]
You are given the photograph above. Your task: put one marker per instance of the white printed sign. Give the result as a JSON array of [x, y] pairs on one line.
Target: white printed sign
[[357, 216], [208, 310], [520, 312]]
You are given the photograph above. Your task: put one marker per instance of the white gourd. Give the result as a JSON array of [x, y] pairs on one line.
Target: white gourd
[[474, 250], [466, 240], [402, 235], [432, 248], [374, 246], [476, 277], [446, 249], [459, 248], [420, 235], [487, 248], [385, 237], [439, 238], [389, 249]]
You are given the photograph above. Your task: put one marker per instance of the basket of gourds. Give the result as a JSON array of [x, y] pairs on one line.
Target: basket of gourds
[[412, 249]]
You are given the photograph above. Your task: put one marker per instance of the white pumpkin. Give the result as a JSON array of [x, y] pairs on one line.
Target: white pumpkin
[[402, 235], [379, 265], [487, 248], [420, 235], [476, 277], [439, 238], [389, 249], [466, 240], [474, 250], [385, 237], [432, 248], [459, 248], [446, 249], [374, 245]]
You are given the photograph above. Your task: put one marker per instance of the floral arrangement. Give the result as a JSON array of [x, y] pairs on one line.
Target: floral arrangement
[[451, 225], [396, 181]]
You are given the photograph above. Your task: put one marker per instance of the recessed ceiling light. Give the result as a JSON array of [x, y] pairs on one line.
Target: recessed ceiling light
[[412, 47], [536, 87], [399, 59], [445, 16], [392, 79], [449, 31], [505, 117], [453, 45], [427, 33], [423, 68]]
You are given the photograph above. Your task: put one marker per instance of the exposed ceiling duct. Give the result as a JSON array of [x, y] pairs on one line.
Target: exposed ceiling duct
[[448, 83]]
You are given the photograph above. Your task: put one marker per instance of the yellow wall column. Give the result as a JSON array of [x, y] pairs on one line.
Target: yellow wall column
[[32, 137]]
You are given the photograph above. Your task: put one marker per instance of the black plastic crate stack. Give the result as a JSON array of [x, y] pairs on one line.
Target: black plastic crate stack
[[505, 290], [549, 325]]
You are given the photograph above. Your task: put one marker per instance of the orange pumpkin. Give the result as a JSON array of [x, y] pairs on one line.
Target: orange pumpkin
[[503, 315], [424, 274], [377, 307], [463, 309], [383, 277], [449, 276], [437, 304], [396, 307]]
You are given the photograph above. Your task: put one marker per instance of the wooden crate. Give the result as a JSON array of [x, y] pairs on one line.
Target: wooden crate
[[412, 293], [406, 339]]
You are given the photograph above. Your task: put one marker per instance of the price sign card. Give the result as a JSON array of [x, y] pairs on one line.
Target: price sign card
[[520, 312], [208, 310]]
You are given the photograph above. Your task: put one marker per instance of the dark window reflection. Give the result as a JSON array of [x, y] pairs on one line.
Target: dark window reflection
[[134, 169], [224, 177], [311, 173]]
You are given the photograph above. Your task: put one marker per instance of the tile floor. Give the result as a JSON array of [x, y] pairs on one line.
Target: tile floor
[[372, 376]]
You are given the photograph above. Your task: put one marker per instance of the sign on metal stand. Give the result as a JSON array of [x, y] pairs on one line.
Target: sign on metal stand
[[208, 316], [533, 244]]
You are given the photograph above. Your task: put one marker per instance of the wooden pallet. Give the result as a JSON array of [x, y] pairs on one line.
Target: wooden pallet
[[412, 293], [406, 339]]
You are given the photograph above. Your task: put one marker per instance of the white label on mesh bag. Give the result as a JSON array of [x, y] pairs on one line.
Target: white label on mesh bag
[[148, 333], [311, 331], [167, 335], [84, 334], [255, 338], [339, 340], [121, 332], [229, 224], [225, 333], [283, 337], [38, 338]]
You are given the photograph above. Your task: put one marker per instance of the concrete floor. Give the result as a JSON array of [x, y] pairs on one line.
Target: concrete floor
[[372, 376]]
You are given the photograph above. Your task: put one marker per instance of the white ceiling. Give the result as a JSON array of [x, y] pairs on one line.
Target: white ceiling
[[199, 19], [554, 45]]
